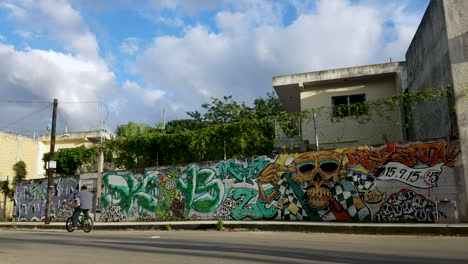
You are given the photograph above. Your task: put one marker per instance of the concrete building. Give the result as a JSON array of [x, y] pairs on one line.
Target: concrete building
[[74, 139], [437, 57], [324, 89], [13, 149]]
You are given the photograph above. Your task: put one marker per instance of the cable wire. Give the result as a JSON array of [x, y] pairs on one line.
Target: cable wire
[[24, 117]]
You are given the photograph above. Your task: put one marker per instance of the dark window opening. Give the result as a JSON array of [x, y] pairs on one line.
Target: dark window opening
[[349, 105]]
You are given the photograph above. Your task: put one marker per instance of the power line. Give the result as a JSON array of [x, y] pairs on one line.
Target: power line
[[48, 102], [24, 102], [82, 102], [25, 117]]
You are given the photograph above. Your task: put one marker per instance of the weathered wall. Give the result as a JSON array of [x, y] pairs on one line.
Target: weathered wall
[[429, 66], [387, 183], [15, 148], [30, 199], [456, 18]]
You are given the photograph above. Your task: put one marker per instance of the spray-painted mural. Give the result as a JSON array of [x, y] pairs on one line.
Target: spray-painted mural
[[30, 199], [389, 183]]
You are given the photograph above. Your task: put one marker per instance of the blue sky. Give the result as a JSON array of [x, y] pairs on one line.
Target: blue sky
[[140, 57]]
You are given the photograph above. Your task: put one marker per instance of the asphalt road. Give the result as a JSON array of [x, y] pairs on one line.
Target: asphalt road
[[133, 247]]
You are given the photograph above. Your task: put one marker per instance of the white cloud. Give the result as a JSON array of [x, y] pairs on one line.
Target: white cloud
[[249, 50], [2, 38], [58, 19], [148, 96], [25, 34], [395, 50], [44, 75], [130, 46], [40, 75], [238, 55]]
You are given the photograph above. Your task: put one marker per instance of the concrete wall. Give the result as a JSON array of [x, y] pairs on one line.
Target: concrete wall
[[429, 66], [456, 19], [15, 148], [349, 132], [438, 56], [387, 183]]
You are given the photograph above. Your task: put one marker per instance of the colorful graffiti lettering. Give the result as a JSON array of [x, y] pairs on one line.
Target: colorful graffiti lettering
[[389, 183], [314, 186], [248, 208], [150, 194], [203, 191], [231, 169], [430, 154]]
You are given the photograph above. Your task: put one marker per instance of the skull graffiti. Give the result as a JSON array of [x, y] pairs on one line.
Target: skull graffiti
[[315, 171], [419, 201], [395, 198], [408, 208], [407, 194], [386, 209], [420, 215], [397, 211]]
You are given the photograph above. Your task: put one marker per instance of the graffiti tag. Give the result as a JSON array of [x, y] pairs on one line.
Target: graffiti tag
[[203, 192], [430, 154], [253, 210], [231, 169]]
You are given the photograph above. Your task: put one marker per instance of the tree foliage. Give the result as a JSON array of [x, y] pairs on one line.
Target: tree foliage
[[184, 125], [226, 110], [245, 131], [133, 130], [73, 161], [245, 138]]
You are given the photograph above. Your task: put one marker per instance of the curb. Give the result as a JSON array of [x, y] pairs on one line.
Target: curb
[[343, 228]]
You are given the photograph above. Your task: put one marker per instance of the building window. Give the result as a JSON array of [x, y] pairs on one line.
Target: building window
[[349, 105]]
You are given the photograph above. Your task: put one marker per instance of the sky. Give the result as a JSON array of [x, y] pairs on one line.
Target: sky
[[109, 62]]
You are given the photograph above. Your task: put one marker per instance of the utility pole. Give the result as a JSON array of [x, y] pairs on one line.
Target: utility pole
[[100, 162], [315, 130], [50, 171], [164, 119]]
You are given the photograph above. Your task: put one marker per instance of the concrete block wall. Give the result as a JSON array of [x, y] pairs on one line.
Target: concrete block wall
[[389, 183]]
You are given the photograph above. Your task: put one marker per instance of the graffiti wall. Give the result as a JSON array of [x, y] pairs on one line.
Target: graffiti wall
[[30, 199], [390, 183]]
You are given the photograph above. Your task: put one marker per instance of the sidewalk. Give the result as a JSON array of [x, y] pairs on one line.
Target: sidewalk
[[322, 227]]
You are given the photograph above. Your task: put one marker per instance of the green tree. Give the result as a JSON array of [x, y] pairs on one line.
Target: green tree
[[268, 107], [221, 111], [20, 172], [74, 160], [184, 125], [133, 130], [226, 110]]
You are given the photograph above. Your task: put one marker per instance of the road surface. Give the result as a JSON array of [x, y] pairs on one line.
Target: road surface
[[133, 247]]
